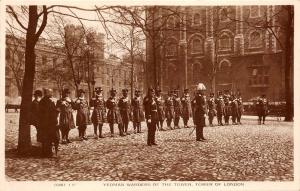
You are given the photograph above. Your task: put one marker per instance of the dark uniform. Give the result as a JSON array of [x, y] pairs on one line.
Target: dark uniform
[[137, 111], [48, 124], [169, 109], [211, 109], [83, 114], [240, 110], [161, 112], [234, 109], [151, 114], [262, 109], [227, 109], [35, 114], [177, 109], [66, 119], [220, 108], [113, 114], [186, 107], [99, 112], [125, 110], [199, 110]]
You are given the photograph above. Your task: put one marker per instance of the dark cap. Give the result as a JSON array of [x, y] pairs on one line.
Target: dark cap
[[113, 91]]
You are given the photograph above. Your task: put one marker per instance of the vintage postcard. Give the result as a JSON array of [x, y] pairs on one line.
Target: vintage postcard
[[149, 95]]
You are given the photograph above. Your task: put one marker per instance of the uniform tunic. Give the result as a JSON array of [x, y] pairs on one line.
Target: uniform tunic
[[220, 105], [113, 114], [211, 107], [66, 119], [262, 107], [99, 112], [186, 107], [177, 107], [160, 108], [151, 114], [169, 108], [83, 112], [137, 109], [125, 109], [199, 110]]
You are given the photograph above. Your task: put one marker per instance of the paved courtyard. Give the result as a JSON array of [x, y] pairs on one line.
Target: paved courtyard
[[247, 152]]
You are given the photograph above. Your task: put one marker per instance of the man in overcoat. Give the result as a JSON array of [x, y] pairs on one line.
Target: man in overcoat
[[262, 109], [151, 115], [48, 124], [199, 110], [35, 113]]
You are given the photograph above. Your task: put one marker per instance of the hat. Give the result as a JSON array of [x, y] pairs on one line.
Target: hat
[[186, 90], [201, 86], [158, 90], [66, 91], [124, 90], [48, 91], [81, 91], [137, 91], [150, 90], [212, 93], [38, 93]]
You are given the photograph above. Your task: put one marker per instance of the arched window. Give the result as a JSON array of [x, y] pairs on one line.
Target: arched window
[[197, 19], [225, 42], [225, 65], [255, 11], [255, 40], [171, 22], [197, 45]]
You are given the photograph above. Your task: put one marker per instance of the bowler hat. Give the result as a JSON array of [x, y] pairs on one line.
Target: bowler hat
[[113, 91], [66, 91], [124, 90], [98, 89]]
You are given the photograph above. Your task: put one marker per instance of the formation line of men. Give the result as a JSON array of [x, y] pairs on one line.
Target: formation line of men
[[52, 118]]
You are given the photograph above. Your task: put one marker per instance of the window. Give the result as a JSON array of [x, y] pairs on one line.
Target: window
[[197, 46], [197, 19], [254, 11], [259, 77], [171, 49], [255, 40], [44, 60], [171, 22], [225, 42]]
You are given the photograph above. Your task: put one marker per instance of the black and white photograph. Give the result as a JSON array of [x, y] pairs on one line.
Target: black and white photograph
[[156, 96]]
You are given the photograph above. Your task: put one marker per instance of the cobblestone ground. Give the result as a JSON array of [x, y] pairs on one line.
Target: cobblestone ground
[[247, 152]]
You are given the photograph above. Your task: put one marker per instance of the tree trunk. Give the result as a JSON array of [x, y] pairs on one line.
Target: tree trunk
[[289, 66], [24, 139]]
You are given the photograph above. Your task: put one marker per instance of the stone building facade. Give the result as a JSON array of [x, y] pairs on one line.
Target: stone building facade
[[228, 42]]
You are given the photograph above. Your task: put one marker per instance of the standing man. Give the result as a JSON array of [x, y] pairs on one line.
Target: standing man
[[234, 109], [177, 108], [151, 114], [137, 110], [186, 107], [98, 115], [199, 110], [125, 110], [113, 114], [262, 109], [161, 113], [227, 109], [48, 124], [211, 108], [66, 120], [83, 114], [169, 111], [220, 108], [240, 109], [35, 113]]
